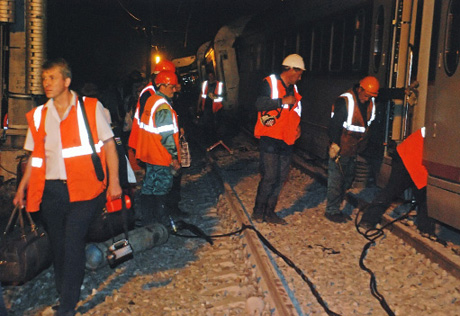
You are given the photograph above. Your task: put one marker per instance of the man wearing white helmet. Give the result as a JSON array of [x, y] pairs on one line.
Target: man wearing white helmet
[[279, 109]]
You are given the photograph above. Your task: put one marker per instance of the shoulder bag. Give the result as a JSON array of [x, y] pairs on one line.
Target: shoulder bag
[[24, 249], [94, 156]]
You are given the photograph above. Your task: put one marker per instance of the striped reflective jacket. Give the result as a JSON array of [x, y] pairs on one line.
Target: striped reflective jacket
[[150, 148], [287, 117], [354, 127], [132, 142], [82, 181], [218, 91]]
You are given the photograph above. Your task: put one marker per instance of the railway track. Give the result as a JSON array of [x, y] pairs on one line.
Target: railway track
[[319, 272], [308, 267]]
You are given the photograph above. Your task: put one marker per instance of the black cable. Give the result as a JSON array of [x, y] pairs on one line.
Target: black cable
[[7, 170], [192, 228], [372, 235]]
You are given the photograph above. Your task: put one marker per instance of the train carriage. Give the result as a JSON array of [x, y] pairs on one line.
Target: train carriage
[[404, 43]]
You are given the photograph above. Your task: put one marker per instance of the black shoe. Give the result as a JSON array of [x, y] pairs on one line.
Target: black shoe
[[177, 212], [366, 225], [257, 217], [275, 219], [338, 217]]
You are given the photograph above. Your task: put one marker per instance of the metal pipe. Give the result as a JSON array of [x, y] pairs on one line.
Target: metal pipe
[[35, 44]]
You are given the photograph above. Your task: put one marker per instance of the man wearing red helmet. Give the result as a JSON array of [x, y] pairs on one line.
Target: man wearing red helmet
[[351, 115], [158, 147], [147, 92]]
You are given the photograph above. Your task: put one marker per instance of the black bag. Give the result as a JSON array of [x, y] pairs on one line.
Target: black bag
[[125, 172], [24, 250], [106, 225]]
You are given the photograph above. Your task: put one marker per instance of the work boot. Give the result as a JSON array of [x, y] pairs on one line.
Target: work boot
[[270, 216], [160, 210], [258, 217], [177, 212], [258, 213], [339, 218], [273, 218], [143, 210]]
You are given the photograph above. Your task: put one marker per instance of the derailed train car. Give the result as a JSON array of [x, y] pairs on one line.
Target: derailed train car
[[401, 42]]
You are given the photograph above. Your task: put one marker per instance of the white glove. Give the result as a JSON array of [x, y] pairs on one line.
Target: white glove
[[334, 151]]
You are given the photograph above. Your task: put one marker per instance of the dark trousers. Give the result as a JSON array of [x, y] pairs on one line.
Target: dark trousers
[[67, 224], [2, 303], [174, 196], [398, 182], [340, 178], [274, 170]]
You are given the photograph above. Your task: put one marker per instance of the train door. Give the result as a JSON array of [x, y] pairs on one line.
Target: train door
[[379, 66], [442, 150], [394, 43], [382, 16], [392, 60]]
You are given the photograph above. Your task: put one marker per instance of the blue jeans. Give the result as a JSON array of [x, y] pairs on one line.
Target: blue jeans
[[340, 178], [67, 224], [274, 170]]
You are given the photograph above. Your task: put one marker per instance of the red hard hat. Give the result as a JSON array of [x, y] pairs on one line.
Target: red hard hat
[[166, 77], [371, 85], [164, 65]]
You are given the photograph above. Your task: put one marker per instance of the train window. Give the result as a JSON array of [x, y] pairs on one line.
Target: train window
[[305, 44], [278, 51], [378, 38], [290, 43], [452, 39], [259, 56], [252, 59], [315, 55], [268, 60], [336, 46], [358, 38], [326, 46]]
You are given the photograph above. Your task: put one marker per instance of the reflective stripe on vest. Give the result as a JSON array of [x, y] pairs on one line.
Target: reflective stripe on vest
[[220, 88], [275, 95], [348, 124], [83, 149], [157, 130], [38, 116], [136, 113], [37, 162], [204, 86]]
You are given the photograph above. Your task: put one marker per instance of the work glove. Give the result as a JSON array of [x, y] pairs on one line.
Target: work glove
[[334, 150]]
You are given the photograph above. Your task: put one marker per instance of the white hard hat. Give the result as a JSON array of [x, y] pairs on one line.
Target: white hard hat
[[294, 61]]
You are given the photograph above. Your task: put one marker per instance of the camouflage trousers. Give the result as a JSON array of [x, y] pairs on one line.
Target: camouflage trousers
[[158, 180]]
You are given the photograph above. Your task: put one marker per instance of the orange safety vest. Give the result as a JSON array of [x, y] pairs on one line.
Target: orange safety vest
[[132, 142], [149, 147], [216, 103], [411, 153], [354, 128], [288, 118], [82, 181]]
